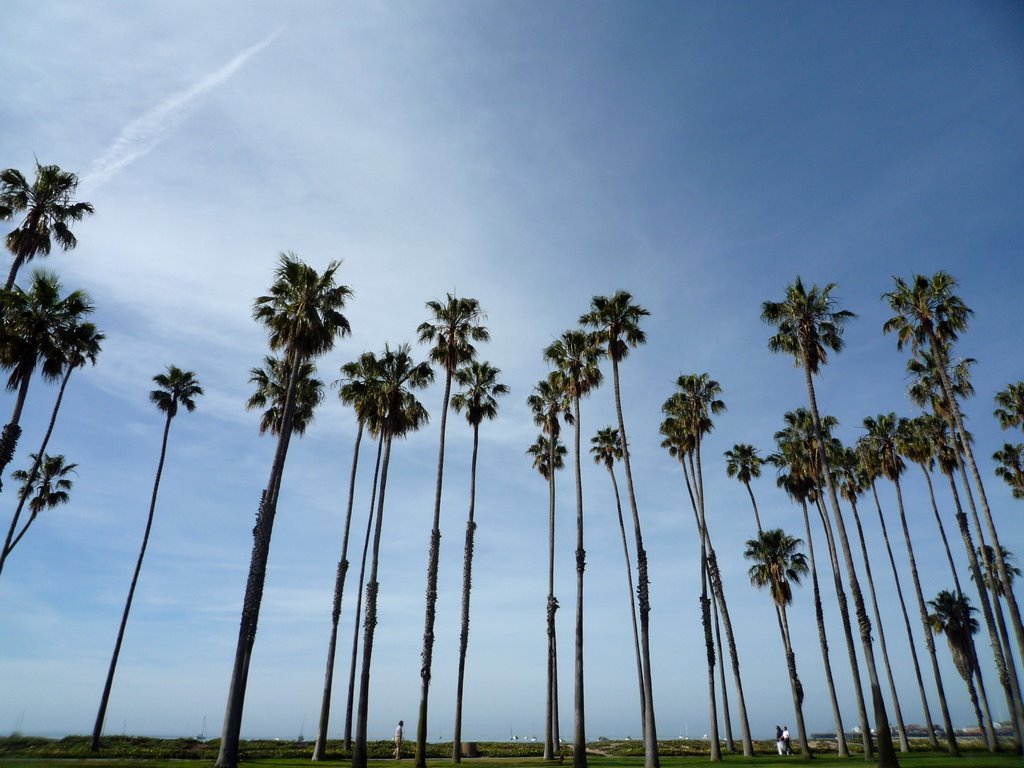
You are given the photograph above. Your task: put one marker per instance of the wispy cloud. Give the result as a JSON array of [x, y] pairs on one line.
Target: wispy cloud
[[143, 134]]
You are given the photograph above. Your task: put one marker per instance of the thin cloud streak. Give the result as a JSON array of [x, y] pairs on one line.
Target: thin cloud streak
[[143, 134]]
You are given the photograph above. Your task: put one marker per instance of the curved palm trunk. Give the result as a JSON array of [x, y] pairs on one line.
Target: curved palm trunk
[[427, 655], [730, 745], [651, 759], [12, 431], [467, 581], [1010, 690], [929, 642], [579, 731], [370, 623], [794, 684], [228, 755], [933, 741], [632, 603], [359, 603], [551, 699], [842, 748], [901, 729], [320, 748], [34, 473], [844, 614], [757, 517], [105, 698], [886, 753]]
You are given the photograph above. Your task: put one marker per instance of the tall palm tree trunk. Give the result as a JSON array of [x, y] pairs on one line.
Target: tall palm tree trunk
[[427, 655], [228, 755], [1006, 680], [632, 602], [579, 731], [842, 748], [12, 430], [320, 747], [359, 602], [551, 741], [886, 753], [933, 741], [795, 685], [34, 472], [359, 754], [757, 517], [97, 730], [651, 759], [900, 727], [730, 745], [467, 582]]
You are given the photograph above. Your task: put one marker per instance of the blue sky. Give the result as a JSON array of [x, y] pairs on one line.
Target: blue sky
[[700, 155]]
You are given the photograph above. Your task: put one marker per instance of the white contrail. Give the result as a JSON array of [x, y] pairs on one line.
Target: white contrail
[[141, 135]]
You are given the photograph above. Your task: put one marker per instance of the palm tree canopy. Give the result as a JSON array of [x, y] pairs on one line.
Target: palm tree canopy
[[271, 382], [540, 452], [480, 390], [35, 324], [606, 447], [925, 389], [302, 312], [778, 564], [986, 552], [809, 324], [851, 474], [885, 440], [743, 462], [80, 344], [548, 401], [576, 356], [175, 387], [51, 484], [689, 411], [952, 617], [616, 323], [48, 207], [397, 376], [356, 388], [456, 324], [1010, 406], [1011, 467], [926, 307]]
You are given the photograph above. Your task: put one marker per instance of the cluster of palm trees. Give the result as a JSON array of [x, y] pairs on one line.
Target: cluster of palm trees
[[44, 330]]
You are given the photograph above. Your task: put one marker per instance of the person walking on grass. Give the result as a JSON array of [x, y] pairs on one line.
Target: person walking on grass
[[399, 733]]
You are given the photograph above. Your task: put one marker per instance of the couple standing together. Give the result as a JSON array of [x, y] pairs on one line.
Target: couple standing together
[[782, 740]]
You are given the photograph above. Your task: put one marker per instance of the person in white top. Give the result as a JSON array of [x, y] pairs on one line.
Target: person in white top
[[398, 739]]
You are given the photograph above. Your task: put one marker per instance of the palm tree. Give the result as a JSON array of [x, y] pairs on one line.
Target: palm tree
[[953, 619], [606, 448], [885, 439], [47, 488], [49, 212], [455, 325], [354, 388], [34, 322], [576, 356], [79, 343], [778, 565], [616, 321], [743, 463], [929, 315], [271, 382], [548, 402], [398, 375], [1011, 467], [175, 388], [302, 314], [809, 325], [1010, 406], [478, 398]]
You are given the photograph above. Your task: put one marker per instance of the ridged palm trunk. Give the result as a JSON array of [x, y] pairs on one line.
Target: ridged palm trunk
[[97, 730], [1010, 690], [933, 741], [730, 746], [551, 742], [359, 754], [579, 731], [886, 753], [34, 472], [350, 698], [794, 684], [632, 602], [11, 433], [228, 755], [320, 747], [901, 728], [842, 747], [929, 641], [467, 581], [651, 759], [844, 614], [427, 655]]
